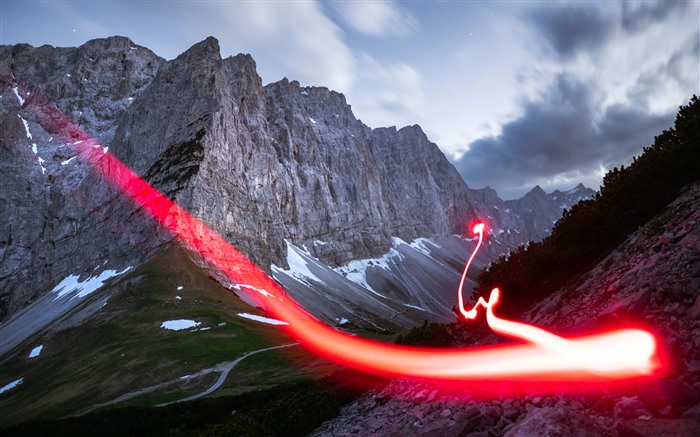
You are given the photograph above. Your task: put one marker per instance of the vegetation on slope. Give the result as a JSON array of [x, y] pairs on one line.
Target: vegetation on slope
[[629, 197], [292, 409], [123, 349]]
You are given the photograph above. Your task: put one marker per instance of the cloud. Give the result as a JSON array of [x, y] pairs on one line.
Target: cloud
[[570, 29], [605, 91], [638, 15], [392, 93], [294, 39], [560, 136], [377, 18]]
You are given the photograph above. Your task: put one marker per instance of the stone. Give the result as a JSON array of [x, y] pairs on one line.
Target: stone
[[667, 392], [654, 427], [630, 407], [694, 311], [377, 423], [555, 421]]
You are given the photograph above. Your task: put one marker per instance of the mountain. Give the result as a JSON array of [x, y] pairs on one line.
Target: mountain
[[268, 167], [365, 227]]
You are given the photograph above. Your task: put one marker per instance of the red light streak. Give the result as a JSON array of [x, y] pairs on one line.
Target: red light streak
[[545, 357]]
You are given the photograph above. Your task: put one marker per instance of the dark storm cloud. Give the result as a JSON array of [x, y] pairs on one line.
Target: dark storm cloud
[[624, 130], [639, 15], [559, 134], [571, 28]]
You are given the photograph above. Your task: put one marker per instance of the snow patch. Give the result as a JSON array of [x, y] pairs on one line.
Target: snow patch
[[312, 120], [68, 161], [414, 307], [298, 266], [259, 290], [420, 246], [180, 287], [72, 283], [343, 321], [178, 298], [179, 325], [36, 351], [304, 93], [262, 319], [356, 271], [20, 98], [41, 164], [26, 127], [11, 385]]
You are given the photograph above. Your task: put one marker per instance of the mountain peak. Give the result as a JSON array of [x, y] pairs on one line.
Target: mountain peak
[[536, 191], [208, 48]]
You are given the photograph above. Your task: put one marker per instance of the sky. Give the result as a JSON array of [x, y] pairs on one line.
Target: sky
[[515, 93]]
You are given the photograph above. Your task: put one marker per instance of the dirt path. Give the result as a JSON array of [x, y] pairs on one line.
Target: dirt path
[[224, 369]]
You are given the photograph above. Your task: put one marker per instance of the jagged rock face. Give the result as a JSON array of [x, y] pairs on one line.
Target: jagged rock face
[[259, 164], [283, 161], [53, 214]]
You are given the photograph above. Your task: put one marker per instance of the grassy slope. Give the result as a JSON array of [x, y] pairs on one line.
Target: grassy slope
[[122, 348]]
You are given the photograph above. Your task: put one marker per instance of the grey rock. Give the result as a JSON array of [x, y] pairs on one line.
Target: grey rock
[[630, 407], [555, 421], [668, 392], [694, 311], [52, 214], [259, 164], [652, 427]]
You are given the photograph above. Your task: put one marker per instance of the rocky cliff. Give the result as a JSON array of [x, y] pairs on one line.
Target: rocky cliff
[[259, 164]]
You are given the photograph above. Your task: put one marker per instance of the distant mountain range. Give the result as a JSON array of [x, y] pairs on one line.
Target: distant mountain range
[[283, 172]]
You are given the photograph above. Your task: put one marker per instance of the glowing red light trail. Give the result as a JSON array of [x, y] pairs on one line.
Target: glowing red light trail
[[546, 357]]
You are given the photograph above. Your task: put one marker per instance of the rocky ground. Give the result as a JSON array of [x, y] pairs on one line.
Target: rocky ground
[[652, 281]]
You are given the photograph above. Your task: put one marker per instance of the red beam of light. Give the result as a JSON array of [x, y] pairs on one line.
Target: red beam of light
[[616, 354], [599, 360]]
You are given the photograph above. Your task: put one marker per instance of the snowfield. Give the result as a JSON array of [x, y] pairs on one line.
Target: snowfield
[[179, 325], [36, 351], [262, 319], [83, 288], [11, 385]]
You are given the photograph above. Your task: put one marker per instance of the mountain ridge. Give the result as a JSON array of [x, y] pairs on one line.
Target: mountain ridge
[[204, 130]]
